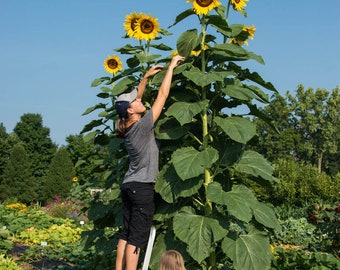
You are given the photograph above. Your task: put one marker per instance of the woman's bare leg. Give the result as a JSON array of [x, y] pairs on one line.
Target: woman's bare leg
[[131, 257], [120, 258]]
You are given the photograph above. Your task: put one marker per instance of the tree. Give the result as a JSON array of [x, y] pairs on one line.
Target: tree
[[7, 141], [277, 138], [307, 126], [59, 176], [37, 142], [316, 118], [204, 150], [84, 155], [18, 181], [38, 145]]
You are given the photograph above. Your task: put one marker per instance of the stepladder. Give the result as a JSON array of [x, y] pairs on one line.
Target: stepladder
[[149, 247]]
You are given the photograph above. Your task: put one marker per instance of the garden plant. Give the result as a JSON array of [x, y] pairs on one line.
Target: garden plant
[[205, 210]]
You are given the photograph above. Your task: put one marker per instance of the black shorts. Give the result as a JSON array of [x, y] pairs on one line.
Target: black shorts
[[138, 211]]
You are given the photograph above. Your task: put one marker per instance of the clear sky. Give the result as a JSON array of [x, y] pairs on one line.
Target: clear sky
[[51, 50]]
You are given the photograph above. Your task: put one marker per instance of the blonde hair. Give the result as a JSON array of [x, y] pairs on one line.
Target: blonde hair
[[171, 260]]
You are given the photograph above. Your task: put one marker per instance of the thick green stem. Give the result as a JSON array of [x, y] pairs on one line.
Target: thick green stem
[[204, 115], [227, 18]]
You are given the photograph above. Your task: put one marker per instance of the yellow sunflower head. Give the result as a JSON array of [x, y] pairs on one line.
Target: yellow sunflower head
[[130, 23], [250, 30], [204, 6], [146, 28], [112, 64], [247, 32], [239, 4], [174, 53], [75, 179]]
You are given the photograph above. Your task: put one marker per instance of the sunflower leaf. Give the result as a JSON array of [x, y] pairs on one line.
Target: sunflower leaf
[[187, 42]]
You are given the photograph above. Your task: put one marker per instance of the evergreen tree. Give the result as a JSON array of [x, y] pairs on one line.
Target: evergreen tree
[[37, 142], [7, 141], [59, 176], [17, 178], [38, 145]]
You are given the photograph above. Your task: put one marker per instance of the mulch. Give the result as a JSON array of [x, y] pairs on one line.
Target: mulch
[[44, 263]]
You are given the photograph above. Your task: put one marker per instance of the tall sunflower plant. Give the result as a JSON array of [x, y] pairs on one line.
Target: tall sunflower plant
[[207, 210]]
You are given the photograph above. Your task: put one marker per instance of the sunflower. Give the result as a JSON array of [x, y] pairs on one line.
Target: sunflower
[[75, 179], [146, 27], [204, 6], [251, 31], [130, 23], [247, 32], [239, 4], [112, 64], [198, 52]]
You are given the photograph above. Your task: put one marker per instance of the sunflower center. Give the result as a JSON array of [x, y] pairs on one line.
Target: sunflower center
[[146, 26], [204, 3], [237, 1], [112, 63]]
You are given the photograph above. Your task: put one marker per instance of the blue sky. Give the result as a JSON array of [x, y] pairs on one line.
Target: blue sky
[[51, 50]]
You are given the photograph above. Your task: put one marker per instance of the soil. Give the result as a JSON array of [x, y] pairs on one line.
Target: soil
[[45, 263]]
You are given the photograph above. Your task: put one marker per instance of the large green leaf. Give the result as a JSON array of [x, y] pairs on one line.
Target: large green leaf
[[183, 15], [123, 85], [265, 215], [255, 164], [91, 125], [187, 41], [198, 232], [236, 52], [99, 81], [204, 79], [220, 24], [239, 200], [91, 109], [239, 129], [98, 210], [169, 129], [260, 95], [171, 187], [185, 111], [189, 162], [251, 251], [239, 92]]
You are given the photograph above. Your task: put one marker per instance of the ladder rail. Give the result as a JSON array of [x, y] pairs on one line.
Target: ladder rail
[[149, 248]]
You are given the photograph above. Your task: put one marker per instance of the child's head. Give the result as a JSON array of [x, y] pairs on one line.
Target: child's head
[[171, 260]]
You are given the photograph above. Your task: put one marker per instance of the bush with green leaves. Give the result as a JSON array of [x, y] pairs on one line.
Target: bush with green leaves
[[204, 144], [300, 184], [296, 232], [68, 208], [293, 259], [5, 243], [326, 218], [7, 263]]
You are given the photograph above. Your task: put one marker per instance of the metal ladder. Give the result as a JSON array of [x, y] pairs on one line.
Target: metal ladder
[[149, 248]]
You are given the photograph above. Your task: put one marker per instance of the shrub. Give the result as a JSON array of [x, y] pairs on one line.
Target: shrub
[[300, 184], [292, 259], [296, 232], [8, 263], [326, 218], [70, 208]]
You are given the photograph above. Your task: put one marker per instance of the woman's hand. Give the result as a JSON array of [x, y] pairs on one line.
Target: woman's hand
[[153, 70], [175, 61]]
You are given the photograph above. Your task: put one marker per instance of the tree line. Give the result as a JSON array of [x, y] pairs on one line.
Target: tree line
[[300, 137]]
